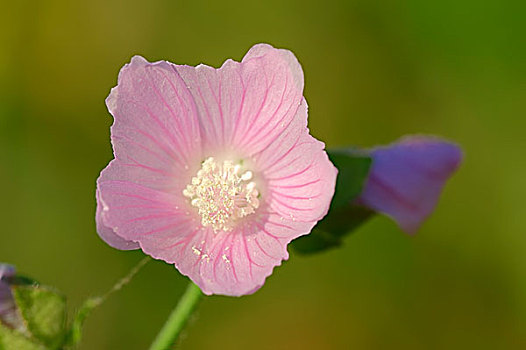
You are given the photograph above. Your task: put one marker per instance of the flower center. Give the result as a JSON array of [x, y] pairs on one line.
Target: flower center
[[222, 194]]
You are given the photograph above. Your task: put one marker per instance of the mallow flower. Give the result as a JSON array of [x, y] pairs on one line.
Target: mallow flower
[[406, 178], [214, 170]]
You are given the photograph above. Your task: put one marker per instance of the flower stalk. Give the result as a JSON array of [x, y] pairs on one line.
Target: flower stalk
[[75, 332], [178, 318]]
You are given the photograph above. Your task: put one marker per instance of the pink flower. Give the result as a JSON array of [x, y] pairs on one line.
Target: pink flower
[[407, 177], [214, 169]]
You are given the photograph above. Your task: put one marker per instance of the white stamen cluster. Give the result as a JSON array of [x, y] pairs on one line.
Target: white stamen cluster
[[221, 194]]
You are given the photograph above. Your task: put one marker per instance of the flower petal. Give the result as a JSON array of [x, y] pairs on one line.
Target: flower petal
[[238, 262], [157, 147], [134, 211], [407, 177], [7, 303], [156, 132], [107, 234], [9, 314], [245, 106], [6, 271], [298, 173]]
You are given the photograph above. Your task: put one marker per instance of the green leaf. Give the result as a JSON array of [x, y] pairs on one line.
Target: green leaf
[[11, 339], [44, 311], [343, 215]]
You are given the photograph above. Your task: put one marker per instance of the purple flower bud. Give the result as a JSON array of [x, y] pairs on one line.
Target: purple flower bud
[[9, 314], [407, 177]]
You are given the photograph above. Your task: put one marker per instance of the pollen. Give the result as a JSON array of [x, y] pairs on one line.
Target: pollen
[[223, 193]]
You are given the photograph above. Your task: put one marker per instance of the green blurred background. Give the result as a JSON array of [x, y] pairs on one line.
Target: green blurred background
[[374, 71]]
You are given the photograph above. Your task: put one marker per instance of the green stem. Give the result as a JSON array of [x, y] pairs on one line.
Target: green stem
[[178, 318], [75, 331]]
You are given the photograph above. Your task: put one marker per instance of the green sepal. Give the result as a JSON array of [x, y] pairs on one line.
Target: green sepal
[[344, 216], [44, 312], [11, 339]]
